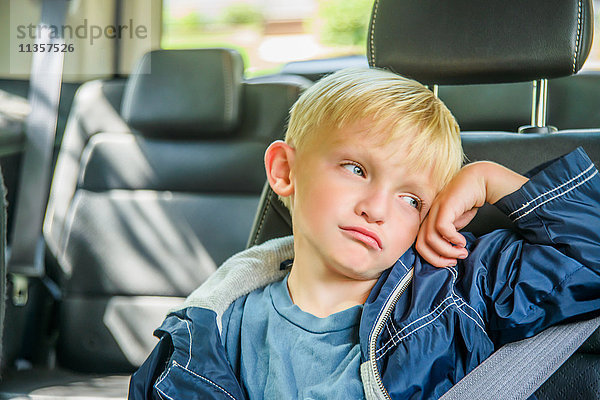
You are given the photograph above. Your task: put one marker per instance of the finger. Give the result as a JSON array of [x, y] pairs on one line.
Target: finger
[[432, 257], [444, 225], [444, 247], [464, 219], [440, 245]]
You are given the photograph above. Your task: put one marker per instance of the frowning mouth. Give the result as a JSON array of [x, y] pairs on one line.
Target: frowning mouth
[[363, 235]]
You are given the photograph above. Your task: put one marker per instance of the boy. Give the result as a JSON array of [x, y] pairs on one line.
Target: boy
[[371, 163]]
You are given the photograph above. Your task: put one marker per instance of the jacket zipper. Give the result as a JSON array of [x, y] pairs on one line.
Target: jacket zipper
[[387, 311]]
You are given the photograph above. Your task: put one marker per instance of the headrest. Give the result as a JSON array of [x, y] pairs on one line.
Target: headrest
[[184, 93], [474, 41]]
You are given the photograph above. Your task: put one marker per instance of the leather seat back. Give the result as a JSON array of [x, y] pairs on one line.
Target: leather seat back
[[573, 103], [156, 184]]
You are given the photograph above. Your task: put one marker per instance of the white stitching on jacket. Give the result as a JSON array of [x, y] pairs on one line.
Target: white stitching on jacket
[[163, 394], [187, 324], [405, 267], [418, 328], [464, 303], [392, 339], [175, 363], [381, 309], [558, 195], [550, 191], [387, 327], [393, 326], [460, 299], [162, 378]]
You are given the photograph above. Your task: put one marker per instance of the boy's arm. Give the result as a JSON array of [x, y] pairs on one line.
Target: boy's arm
[[547, 271], [141, 385], [189, 361], [560, 207], [439, 241]]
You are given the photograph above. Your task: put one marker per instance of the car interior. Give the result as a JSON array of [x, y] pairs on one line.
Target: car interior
[[157, 176]]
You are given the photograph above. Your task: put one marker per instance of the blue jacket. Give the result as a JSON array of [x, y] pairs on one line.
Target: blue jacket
[[422, 328]]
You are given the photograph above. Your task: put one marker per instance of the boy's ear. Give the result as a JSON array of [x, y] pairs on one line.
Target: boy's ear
[[279, 160]]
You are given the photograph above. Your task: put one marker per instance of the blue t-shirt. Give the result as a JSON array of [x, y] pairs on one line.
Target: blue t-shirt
[[279, 351]]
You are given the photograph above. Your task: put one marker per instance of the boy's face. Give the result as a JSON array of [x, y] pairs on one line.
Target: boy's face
[[357, 206]]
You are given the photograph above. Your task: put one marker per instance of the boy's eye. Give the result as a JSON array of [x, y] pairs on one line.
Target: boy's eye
[[412, 201], [355, 169]]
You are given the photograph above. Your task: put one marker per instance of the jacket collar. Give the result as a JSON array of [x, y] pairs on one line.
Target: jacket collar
[[260, 265], [242, 273], [381, 294]]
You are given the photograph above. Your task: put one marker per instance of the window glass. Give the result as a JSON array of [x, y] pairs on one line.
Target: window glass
[[593, 60], [269, 33]]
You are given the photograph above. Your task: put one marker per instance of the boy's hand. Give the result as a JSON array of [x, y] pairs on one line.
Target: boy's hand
[[439, 241]]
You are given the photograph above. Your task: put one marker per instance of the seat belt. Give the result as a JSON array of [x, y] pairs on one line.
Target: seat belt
[[26, 258], [518, 369]]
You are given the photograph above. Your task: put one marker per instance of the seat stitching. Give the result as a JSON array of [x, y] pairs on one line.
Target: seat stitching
[[578, 38], [550, 191], [127, 95], [372, 38], [205, 379], [228, 86], [558, 195], [262, 219]]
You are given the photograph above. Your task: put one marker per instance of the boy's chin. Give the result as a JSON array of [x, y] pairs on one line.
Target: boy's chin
[[360, 276], [360, 271]]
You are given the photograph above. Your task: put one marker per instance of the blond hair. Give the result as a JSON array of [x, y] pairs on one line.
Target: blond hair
[[404, 105]]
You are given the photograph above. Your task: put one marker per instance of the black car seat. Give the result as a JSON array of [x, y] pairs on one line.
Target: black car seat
[[156, 184], [485, 42], [573, 101]]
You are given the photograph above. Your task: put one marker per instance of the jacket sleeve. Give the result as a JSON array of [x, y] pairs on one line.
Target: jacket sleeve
[[548, 269], [141, 385], [189, 361]]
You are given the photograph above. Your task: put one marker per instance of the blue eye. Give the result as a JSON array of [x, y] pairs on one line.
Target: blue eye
[[355, 169], [412, 201]]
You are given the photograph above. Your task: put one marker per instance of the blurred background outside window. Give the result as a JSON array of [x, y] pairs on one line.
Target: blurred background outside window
[[270, 33]]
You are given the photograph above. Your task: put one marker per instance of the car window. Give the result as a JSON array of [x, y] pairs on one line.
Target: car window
[[593, 61], [270, 33]]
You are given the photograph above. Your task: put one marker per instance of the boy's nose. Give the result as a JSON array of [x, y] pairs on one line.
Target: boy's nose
[[373, 207]]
